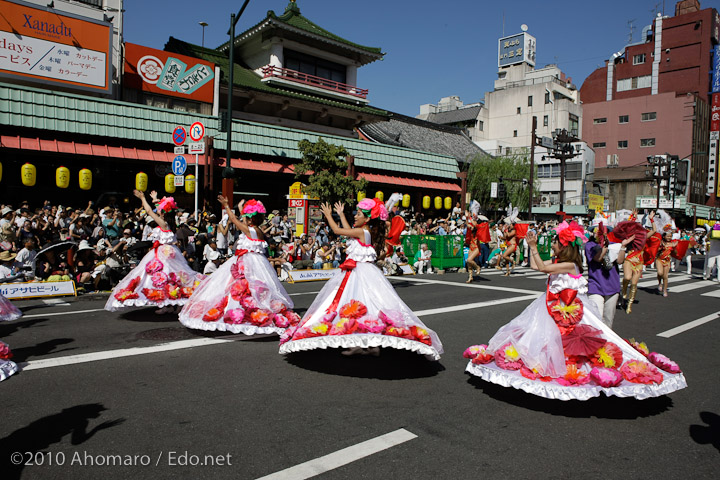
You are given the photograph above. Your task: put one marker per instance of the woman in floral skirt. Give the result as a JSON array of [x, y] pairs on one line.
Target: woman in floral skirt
[[244, 294], [163, 277], [559, 348], [358, 309], [8, 312]]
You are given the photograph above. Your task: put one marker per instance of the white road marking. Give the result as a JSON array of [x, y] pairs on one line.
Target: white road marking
[[469, 306], [654, 282], [35, 315], [714, 293], [690, 286], [303, 293], [695, 323], [55, 302], [342, 457], [124, 352], [468, 285]]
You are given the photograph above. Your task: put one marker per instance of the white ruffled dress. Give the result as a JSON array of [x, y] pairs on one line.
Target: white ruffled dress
[[571, 354], [358, 307], [8, 312], [242, 296], [163, 277]]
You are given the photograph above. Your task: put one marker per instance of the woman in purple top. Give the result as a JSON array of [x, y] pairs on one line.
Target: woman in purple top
[[603, 274]]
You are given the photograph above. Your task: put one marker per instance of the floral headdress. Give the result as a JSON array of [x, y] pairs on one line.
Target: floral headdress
[[167, 204], [252, 207], [570, 233], [373, 208]]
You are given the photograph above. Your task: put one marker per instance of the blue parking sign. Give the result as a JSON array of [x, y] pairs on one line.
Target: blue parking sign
[[179, 165]]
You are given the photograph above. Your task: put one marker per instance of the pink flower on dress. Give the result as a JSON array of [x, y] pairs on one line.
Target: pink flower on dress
[[352, 309], [260, 292], [261, 318], [196, 309], [277, 306], [508, 358], [478, 354], [639, 346], [368, 324], [167, 251], [249, 303], [344, 326], [234, 316], [186, 292], [574, 376], [5, 353], [663, 362], [153, 266], [392, 318], [286, 336], [609, 356], [292, 316], [159, 279], [237, 270], [281, 321], [606, 377], [637, 371], [328, 317]]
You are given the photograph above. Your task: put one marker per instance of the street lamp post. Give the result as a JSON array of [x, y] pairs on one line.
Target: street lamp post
[[203, 25]]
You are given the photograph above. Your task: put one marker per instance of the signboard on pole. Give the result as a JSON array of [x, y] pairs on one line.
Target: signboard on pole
[[179, 181], [179, 135], [493, 190], [196, 148], [197, 131], [596, 202], [714, 132], [179, 165]]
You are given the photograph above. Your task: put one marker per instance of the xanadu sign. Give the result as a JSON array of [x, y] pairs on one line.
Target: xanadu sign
[[168, 73]]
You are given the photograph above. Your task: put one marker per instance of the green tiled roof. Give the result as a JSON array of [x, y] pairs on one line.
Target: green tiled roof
[[293, 18], [29, 107], [248, 79]]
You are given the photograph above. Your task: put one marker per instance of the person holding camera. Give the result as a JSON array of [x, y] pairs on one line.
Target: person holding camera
[[603, 273]]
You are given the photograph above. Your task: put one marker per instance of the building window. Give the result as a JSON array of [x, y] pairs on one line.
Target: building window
[[599, 145], [549, 171], [638, 59], [304, 63], [648, 117], [623, 118], [529, 100], [519, 111], [622, 143], [546, 121], [573, 125], [647, 142], [514, 133], [547, 98], [598, 121], [634, 83], [480, 125]]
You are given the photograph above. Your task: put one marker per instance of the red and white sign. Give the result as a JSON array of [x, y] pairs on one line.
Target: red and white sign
[[715, 113], [179, 135], [197, 131], [296, 203]]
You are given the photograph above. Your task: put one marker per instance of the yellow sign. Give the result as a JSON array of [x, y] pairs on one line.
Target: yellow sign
[[296, 190], [596, 202]]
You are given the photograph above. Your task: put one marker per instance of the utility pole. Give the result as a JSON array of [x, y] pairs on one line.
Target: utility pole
[[563, 150], [533, 142], [660, 172]]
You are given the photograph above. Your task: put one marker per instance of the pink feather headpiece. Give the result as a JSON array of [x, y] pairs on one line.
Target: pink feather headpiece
[[373, 208]]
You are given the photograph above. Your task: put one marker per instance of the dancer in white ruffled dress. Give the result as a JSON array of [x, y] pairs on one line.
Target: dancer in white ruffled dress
[[8, 312], [559, 348], [358, 309], [163, 277], [244, 294]]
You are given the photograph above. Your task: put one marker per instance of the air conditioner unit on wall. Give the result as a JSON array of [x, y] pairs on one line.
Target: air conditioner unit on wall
[[544, 201], [612, 160]]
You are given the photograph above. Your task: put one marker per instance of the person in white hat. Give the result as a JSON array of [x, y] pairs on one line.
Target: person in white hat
[[214, 261]]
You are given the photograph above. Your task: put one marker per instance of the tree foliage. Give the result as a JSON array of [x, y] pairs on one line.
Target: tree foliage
[[328, 179], [485, 169]]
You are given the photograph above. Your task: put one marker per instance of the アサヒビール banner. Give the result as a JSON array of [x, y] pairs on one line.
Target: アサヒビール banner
[[51, 47], [168, 73]]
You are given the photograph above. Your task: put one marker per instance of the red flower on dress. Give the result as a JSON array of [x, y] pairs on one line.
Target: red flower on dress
[[292, 316], [281, 321], [344, 326], [532, 374], [154, 295], [421, 335], [239, 289], [172, 292], [399, 332], [508, 358], [639, 346], [5, 353], [637, 371], [261, 318], [234, 316], [217, 311], [566, 316], [478, 354], [153, 266], [186, 292], [368, 324], [352, 309], [574, 376], [123, 295], [609, 356]]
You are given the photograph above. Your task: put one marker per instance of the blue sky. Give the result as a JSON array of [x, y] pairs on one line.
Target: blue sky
[[433, 48]]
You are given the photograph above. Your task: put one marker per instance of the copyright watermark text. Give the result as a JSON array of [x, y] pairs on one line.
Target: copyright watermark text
[[84, 458]]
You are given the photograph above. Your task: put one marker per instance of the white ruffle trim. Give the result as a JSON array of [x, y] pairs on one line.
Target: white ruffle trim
[[359, 252], [513, 378], [251, 245], [7, 368], [139, 302], [359, 340], [220, 326], [10, 316]]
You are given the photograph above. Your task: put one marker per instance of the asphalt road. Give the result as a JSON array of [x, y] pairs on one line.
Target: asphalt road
[[113, 395]]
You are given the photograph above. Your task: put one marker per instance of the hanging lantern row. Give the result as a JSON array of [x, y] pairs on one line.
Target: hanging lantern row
[[406, 201], [427, 201]]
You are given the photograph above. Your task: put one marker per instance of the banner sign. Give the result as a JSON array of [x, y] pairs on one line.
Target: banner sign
[[167, 73], [516, 49], [716, 70], [312, 275], [596, 202], [17, 291], [55, 48]]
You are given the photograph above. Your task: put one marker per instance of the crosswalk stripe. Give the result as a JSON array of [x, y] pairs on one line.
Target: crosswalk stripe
[[695, 323], [686, 287]]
